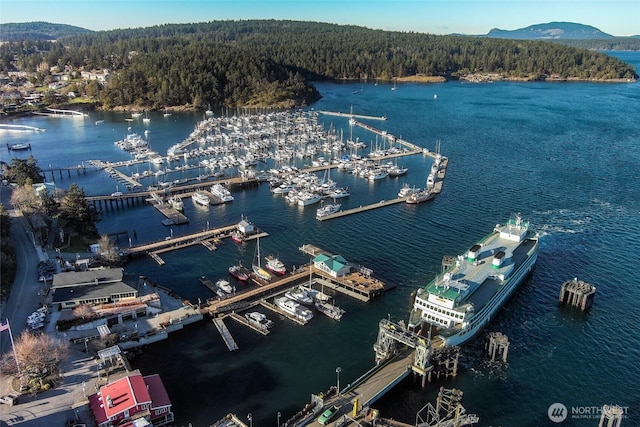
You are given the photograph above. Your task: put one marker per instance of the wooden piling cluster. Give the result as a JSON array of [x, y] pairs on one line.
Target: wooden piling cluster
[[445, 362], [577, 293], [611, 416], [497, 344]]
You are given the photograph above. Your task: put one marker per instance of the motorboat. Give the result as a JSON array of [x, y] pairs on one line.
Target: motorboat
[[200, 198], [327, 209], [219, 191], [259, 318], [225, 286], [293, 308], [299, 295]]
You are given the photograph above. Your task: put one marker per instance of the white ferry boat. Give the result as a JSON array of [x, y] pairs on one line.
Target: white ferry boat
[[200, 198], [220, 191], [461, 300], [294, 308]]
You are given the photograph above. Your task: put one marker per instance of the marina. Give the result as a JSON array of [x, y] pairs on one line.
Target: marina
[[571, 215]]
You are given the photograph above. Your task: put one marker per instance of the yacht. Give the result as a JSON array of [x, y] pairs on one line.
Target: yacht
[[293, 308], [225, 286], [220, 191], [259, 319], [299, 295], [327, 209], [200, 198]]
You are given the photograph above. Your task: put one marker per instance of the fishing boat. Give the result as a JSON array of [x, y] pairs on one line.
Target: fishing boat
[[407, 191], [200, 198], [238, 272], [220, 191], [275, 265], [259, 318], [257, 267], [299, 295], [327, 209], [462, 299], [420, 196], [237, 236], [293, 308]]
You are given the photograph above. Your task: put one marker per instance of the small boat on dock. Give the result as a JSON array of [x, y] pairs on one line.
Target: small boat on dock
[[18, 147], [293, 308]]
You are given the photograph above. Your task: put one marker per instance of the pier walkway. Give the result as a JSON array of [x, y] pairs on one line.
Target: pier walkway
[[380, 204], [172, 243], [351, 115], [226, 335]]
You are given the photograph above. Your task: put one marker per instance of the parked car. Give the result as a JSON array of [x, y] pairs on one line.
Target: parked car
[[9, 399], [327, 415]]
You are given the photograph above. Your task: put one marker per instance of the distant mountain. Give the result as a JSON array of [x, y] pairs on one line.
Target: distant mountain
[[551, 31], [37, 31]]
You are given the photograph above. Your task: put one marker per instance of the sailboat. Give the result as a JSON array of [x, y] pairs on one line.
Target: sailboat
[[257, 267], [146, 118], [395, 81]]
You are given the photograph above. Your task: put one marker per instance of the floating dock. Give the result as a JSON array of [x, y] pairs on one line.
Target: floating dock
[[226, 335], [173, 217]]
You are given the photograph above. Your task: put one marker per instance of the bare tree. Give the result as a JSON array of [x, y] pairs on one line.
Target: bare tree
[[84, 311], [108, 250], [38, 355], [26, 198]]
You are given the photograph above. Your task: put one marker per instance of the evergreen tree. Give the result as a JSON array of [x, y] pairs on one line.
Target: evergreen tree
[[76, 212]]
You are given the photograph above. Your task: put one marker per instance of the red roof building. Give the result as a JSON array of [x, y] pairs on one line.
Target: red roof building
[[131, 398]]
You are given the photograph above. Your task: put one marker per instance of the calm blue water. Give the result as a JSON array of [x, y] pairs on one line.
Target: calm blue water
[[565, 155]]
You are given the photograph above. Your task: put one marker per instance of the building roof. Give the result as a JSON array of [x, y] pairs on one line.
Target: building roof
[[119, 396], [90, 292], [89, 277], [158, 393], [334, 262], [127, 393]]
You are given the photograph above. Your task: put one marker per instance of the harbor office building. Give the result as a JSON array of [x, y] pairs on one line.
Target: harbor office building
[[100, 286]]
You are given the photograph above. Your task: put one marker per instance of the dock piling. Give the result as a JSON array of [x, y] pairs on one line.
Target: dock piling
[[577, 293]]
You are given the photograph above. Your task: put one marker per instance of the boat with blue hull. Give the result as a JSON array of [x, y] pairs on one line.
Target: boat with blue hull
[[461, 300]]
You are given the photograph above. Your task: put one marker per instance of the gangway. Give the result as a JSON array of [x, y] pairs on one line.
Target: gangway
[[390, 334]]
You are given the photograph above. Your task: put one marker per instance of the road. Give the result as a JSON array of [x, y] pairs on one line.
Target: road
[[53, 407], [23, 299]]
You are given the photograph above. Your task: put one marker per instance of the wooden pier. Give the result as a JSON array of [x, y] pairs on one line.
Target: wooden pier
[[577, 293], [173, 217], [380, 204], [173, 243], [226, 335], [261, 329]]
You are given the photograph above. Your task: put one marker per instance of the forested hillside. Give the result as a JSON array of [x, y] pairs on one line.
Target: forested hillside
[[271, 62]]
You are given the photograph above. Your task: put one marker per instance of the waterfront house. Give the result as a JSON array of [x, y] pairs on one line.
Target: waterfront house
[[334, 265], [132, 398]]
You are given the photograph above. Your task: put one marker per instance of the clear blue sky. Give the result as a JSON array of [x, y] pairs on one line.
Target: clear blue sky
[[616, 17]]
